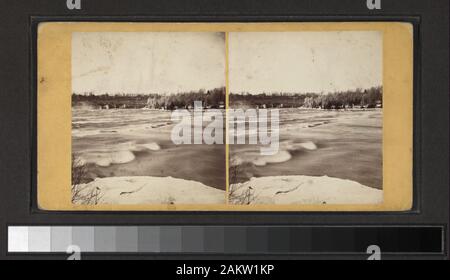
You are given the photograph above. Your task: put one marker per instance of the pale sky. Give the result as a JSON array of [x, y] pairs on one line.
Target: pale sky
[[305, 61], [151, 62]]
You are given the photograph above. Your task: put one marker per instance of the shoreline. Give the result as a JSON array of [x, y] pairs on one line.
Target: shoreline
[[309, 190], [133, 190], [271, 190]]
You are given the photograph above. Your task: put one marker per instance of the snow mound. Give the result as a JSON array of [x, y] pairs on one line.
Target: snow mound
[[281, 156], [288, 190], [154, 190], [291, 146], [120, 154], [152, 146], [106, 159]]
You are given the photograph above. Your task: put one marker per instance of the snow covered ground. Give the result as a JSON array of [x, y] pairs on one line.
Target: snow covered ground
[[153, 190], [285, 190], [278, 190]]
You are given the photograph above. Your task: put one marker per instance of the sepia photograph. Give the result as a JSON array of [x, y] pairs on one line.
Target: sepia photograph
[[225, 117], [324, 91], [126, 87]]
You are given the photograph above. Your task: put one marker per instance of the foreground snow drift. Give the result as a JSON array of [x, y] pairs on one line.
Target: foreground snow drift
[[154, 190], [279, 190], [282, 190]]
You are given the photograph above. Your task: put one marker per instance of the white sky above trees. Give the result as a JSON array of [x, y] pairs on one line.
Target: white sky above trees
[[305, 61], [151, 62], [172, 62]]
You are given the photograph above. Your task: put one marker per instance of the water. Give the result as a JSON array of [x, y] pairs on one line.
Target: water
[[118, 143], [341, 144]]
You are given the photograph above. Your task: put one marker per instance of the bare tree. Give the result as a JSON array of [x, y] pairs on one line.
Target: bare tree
[[81, 194], [238, 194]]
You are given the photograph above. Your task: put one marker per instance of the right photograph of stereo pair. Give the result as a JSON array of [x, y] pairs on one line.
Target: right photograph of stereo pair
[[305, 118]]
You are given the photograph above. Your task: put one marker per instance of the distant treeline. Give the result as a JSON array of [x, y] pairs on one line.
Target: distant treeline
[[215, 98], [211, 99], [106, 101], [369, 98]]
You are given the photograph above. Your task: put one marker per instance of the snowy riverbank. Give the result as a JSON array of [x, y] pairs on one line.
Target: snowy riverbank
[[153, 190], [282, 190]]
